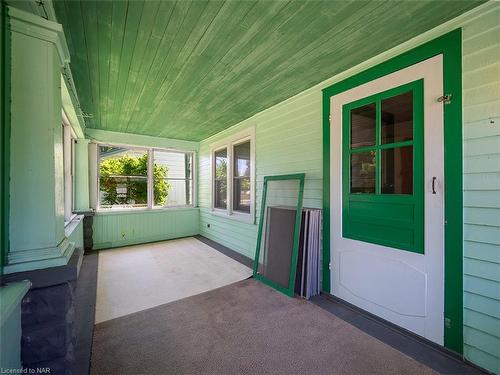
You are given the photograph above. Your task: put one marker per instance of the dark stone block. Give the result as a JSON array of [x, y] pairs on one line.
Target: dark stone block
[[88, 231], [57, 366], [48, 313], [48, 304], [46, 342]]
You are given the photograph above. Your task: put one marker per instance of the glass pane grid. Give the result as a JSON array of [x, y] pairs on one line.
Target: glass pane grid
[[220, 180], [381, 138], [241, 177], [123, 178]]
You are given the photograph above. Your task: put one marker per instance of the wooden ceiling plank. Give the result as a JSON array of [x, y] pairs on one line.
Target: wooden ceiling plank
[[272, 84], [132, 21], [153, 50], [79, 62], [148, 20], [198, 30], [210, 65], [227, 21], [164, 60], [292, 7], [271, 64], [223, 23], [376, 42], [308, 45], [259, 45], [254, 21], [159, 64], [118, 19], [104, 20], [89, 17], [285, 83], [63, 20], [194, 13]]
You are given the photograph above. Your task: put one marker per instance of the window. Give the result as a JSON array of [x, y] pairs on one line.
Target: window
[[173, 178], [383, 168], [233, 172], [68, 142], [144, 178], [394, 146], [220, 180], [241, 177]]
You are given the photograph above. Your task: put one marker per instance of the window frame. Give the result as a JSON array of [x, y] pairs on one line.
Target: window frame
[[150, 182], [418, 195], [212, 179], [68, 140], [229, 143]]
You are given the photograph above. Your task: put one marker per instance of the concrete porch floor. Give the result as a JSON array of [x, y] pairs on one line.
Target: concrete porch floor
[[248, 328], [243, 328], [139, 277]]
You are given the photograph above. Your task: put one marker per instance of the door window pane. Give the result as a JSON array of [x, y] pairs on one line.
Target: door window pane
[[363, 172], [123, 180], [220, 180], [241, 177], [397, 118], [363, 126], [397, 170], [172, 177]]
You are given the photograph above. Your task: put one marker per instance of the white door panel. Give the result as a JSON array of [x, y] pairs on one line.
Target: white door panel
[[403, 287]]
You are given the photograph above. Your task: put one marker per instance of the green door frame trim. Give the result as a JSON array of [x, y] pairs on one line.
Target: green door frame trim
[[298, 217], [450, 46]]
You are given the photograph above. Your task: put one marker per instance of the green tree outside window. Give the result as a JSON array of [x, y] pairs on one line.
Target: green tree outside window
[[123, 181]]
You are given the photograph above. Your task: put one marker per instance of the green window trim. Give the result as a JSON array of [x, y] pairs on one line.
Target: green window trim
[[296, 236], [374, 208], [450, 46]]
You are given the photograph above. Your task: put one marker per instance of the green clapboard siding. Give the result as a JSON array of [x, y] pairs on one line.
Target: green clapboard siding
[[128, 228], [289, 140], [190, 69], [481, 82]]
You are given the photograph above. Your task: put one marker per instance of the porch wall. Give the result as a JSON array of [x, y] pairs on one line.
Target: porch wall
[[128, 228], [115, 229], [289, 139]]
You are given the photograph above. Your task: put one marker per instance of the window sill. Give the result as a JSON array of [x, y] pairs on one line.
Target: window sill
[[71, 225], [127, 211], [244, 218], [66, 223]]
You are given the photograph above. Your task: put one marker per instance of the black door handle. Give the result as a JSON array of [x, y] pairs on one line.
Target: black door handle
[[433, 185]]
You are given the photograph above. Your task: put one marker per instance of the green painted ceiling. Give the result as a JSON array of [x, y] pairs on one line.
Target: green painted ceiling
[[188, 70]]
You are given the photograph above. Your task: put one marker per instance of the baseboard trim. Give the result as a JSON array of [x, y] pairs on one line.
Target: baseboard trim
[[226, 251]]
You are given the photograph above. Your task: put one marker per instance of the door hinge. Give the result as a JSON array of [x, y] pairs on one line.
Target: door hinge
[[446, 99]]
